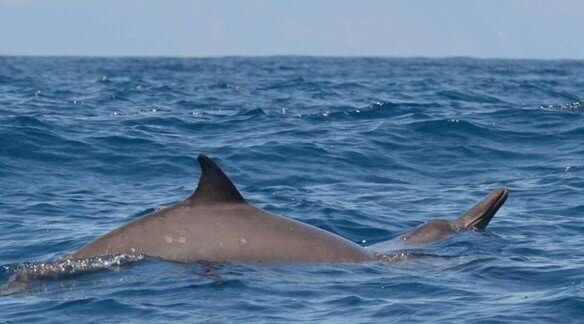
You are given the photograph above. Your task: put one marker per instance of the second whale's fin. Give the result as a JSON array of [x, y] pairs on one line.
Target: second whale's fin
[[214, 186], [479, 216]]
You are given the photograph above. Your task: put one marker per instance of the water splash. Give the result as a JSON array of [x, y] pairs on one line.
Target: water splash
[[68, 267]]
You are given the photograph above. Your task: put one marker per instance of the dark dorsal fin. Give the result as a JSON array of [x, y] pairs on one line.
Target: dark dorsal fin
[[481, 213], [214, 186]]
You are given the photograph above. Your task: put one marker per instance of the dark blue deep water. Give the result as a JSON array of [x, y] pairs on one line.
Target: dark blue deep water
[[363, 147]]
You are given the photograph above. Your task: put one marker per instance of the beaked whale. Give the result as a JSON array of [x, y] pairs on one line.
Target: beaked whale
[[216, 224]]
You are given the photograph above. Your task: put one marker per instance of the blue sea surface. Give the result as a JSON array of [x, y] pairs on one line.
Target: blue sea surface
[[366, 148]]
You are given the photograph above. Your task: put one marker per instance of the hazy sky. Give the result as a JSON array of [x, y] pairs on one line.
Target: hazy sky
[[487, 28]]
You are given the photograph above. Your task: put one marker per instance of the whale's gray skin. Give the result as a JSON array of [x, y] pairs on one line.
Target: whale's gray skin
[[217, 224]]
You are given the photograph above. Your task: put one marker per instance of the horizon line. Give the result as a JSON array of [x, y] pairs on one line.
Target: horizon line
[[325, 56]]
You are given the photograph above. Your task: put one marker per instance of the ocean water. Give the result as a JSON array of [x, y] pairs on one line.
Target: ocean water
[[364, 147]]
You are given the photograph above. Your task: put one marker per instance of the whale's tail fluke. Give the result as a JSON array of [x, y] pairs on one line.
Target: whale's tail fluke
[[479, 216]]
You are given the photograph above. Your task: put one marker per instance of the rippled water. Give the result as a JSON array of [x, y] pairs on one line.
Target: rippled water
[[366, 148]]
